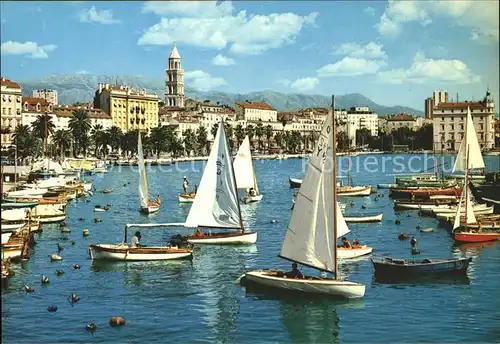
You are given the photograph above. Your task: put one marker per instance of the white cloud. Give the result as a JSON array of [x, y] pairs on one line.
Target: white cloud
[[204, 24], [369, 51], [32, 49], [370, 11], [480, 16], [425, 70], [92, 15], [284, 82], [351, 66], [203, 81], [221, 60], [305, 84]]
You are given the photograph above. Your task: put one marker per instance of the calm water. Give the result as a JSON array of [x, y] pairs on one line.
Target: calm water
[[198, 302]]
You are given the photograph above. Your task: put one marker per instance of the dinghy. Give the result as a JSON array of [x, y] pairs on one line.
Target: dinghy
[[147, 207], [350, 189], [245, 173], [391, 268], [361, 219], [315, 224], [295, 183], [186, 198]]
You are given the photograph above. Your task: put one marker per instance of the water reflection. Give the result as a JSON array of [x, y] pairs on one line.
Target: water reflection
[[472, 248], [456, 279]]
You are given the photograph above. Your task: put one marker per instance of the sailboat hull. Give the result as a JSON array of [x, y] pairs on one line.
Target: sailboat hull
[[150, 209], [186, 199], [246, 238], [125, 253], [476, 237], [251, 199], [310, 285], [363, 219], [349, 253], [354, 191]]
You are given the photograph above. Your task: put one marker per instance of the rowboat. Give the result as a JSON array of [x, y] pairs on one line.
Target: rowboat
[[386, 186], [348, 190], [186, 198], [361, 219], [245, 173], [295, 183], [424, 192], [309, 240], [399, 268], [353, 252]]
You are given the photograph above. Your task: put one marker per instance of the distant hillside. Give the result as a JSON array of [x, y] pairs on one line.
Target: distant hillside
[[81, 88]]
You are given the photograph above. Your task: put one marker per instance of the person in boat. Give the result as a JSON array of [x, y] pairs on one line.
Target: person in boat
[[295, 273], [136, 240], [413, 242], [346, 243], [355, 244], [252, 192], [185, 185], [158, 200], [199, 233]]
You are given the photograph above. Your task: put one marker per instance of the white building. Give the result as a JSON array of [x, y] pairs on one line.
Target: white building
[[357, 118], [64, 113], [439, 97], [449, 123], [174, 80], [48, 95], [256, 111], [11, 106]]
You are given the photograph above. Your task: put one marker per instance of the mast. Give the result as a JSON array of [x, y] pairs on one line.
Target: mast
[[234, 180], [334, 147], [466, 184]]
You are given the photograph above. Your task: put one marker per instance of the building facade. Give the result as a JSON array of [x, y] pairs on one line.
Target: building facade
[[357, 118], [256, 111], [129, 109], [11, 106], [48, 95], [449, 123], [174, 80], [440, 97], [397, 121], [429, 105], [64, 113]]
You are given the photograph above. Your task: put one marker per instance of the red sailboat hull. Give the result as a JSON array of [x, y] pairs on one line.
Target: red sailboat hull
[[475, 237]]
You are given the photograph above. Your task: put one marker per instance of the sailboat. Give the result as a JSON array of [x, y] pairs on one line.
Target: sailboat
[[245, 173], [314, 227], [351, 190], [216, 204], [147, 206]]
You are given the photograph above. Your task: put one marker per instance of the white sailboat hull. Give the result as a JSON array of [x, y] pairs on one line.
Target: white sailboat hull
[[125, 253], [246, 238], [150, 209], [361, 219], [354, 191], [52, 219], [330, 287], [12, 252], [186, 199], [6, 237], [12, 227], [349, 253], [480, 211], [250, 199]]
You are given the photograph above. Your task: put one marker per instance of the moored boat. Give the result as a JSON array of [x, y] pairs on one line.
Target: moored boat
[[363, 218], [186, 198], [295, 183], [393, 268], [245, 173]]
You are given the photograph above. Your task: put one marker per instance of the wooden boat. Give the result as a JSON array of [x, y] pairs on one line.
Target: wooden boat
[[123, 252], [13, 204], [366, 218], [424, 192], [295, 183], [398, 268], [386, 186], [424, 205], [187, 198], [352, 190], [147, 207], [353, 252], [309, 240], [477, 209], [216, 205], [6, 236], [245, 172]]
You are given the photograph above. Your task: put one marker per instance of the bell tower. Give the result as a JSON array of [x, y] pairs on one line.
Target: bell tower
[[174, 80]]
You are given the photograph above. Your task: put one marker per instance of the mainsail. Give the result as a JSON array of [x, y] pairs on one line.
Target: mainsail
[[143, 178], [310, 239], [243, 166], [471, 144], [216, 202], [470, 216]]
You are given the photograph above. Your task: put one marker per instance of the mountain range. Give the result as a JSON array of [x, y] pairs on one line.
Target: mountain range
[[81, 88]]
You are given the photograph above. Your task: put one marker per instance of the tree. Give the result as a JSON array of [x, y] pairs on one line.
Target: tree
[[278, 138], [250, 131], [128, 142], [239, 133], [229, 134], [62, 141], [214, 129], [98, 139], [27, 143], [189, 141], [268, 132], [201, 140], [343, 141], [80, 125], [259, 132], [114, 137], [158, 140], [43, 127]]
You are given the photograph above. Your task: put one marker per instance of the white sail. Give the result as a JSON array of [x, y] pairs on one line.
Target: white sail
[[471, 217], [143, 178], [310, 239], [471, 143], [243, 167], [216, 202]]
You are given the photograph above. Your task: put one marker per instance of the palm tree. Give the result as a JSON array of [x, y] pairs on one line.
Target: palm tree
[[27, 143], [250, 131], [128, 142], [158, 140], [97, 138], [278, 138], [43, 127], [114, 137], [239, 133], [268, 132], [259, 132], [201, 140], [62, 140], [189, 141], [229, 134], [213, 131], [80, 125]]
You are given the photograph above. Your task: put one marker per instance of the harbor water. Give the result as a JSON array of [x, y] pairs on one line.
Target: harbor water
[[198, 302]]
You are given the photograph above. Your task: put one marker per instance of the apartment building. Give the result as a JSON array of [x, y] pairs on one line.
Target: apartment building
[[11, 106], [256, 111], [48, 95], [449, 123], [129, 109], [64, 113], [357, 118]]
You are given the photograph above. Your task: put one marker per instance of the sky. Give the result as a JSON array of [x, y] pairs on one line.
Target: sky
[[395, 53]]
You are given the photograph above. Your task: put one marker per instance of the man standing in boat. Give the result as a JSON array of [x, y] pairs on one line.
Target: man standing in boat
[[185, 185], [136, 240]]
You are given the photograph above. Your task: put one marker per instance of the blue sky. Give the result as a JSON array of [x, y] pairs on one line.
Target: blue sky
[[395, 53]]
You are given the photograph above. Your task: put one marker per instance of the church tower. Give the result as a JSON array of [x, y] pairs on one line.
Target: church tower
[[174, 80]]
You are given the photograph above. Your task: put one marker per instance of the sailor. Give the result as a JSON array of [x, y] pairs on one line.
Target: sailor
[[355, 244], [346, 243], [295, 273], [185, 185], [251, 192], [413, 242], [158, 200], [199, 233], [195, 190], [136, 240]]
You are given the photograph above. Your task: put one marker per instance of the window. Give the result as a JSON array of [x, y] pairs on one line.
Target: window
[[461, 126], [452, 118], [442, 118], [442, 126]]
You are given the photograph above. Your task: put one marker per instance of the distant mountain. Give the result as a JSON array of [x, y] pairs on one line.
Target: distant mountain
[[81, 88]]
